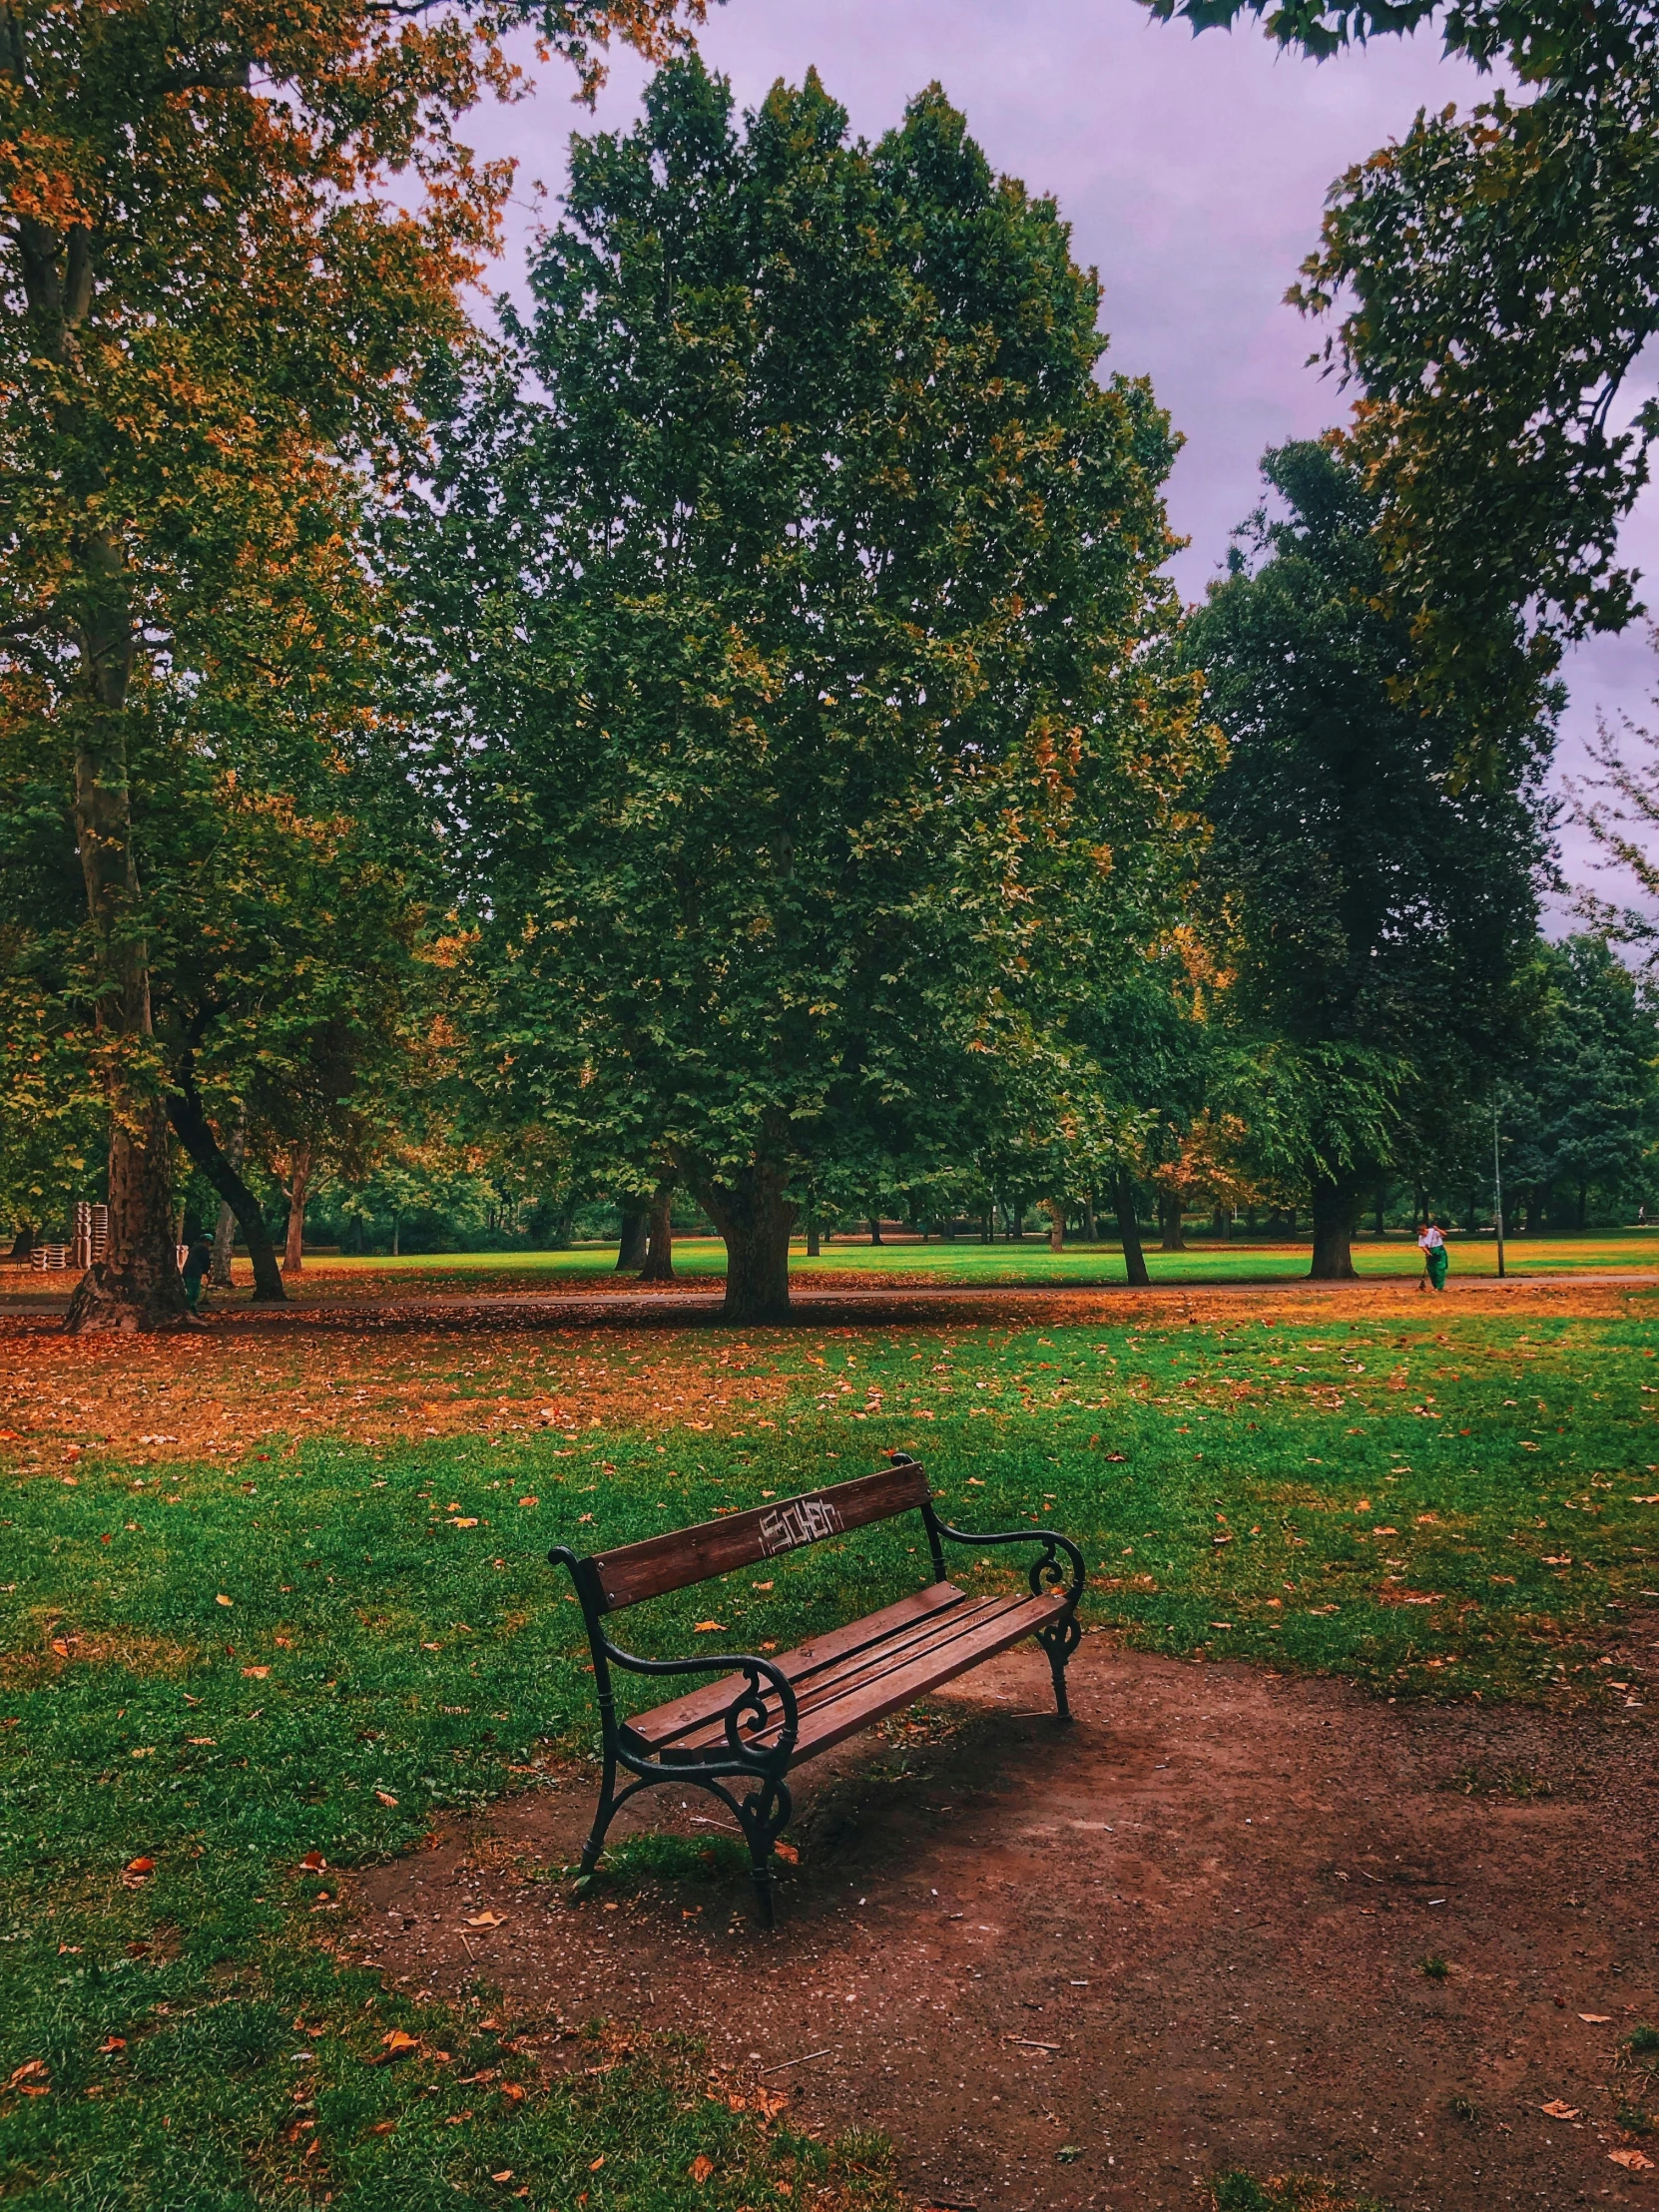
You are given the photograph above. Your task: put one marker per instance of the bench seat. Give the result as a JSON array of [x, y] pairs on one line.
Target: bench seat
[[851, 1676]]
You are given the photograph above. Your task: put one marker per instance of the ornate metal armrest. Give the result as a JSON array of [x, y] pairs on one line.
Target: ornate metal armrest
[[749, 1702], [1047, 1574]]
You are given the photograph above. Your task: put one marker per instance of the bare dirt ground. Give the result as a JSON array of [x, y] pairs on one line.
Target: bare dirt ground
[[1090, 1966]]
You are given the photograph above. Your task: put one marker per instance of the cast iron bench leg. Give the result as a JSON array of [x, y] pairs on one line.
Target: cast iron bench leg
[[601, 1819], [1060, 1641], [765, 1815]]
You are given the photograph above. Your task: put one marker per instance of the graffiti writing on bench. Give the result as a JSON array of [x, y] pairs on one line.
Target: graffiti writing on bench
[[802, 1521]]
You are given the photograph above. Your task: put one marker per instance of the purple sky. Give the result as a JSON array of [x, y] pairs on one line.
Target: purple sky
[[1193, 173]]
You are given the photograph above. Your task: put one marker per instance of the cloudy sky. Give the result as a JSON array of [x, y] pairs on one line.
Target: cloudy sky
[[1193, 173]]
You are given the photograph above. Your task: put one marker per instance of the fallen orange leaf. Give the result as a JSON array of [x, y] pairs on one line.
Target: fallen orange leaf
[[598, 2162], [259, 1673], [222, 1599], [314, 1861], [705, 1628], [141, 1865], [1559, 2111], [701, 2169], [385, 1797], [1596, 2019], [1633, 2161]]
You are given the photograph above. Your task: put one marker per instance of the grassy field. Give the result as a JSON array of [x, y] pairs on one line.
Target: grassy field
[[1027, 1262], [272, 1599], [332, 1277]]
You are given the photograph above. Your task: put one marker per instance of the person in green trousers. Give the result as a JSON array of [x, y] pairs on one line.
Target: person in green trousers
[[1435, 1258]]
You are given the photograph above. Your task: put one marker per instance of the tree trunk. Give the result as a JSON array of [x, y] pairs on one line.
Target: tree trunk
[[194, 1132], [136, 1285], [1583, 1204], [875, 1228], [296, 1189], [1172, 1235], [658, 1258], [1091, 1224], [396, 1223], [753, 1218], [224, 1228], [1129, 1233], [24, 1242], [1333, 1259], [635, 1219], [1378, 1206], [1056, 1225], [814, 1241]]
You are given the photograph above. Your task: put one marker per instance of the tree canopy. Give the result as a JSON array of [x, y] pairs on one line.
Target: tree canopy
[[1376, 909], [808, 748], [1496, 277], [230, 237]]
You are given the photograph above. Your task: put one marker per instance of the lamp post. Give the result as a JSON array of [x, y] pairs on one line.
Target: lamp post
[[1498, 1191]]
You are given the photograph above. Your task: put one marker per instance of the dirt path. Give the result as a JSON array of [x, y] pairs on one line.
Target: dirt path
[[1074, 1967]]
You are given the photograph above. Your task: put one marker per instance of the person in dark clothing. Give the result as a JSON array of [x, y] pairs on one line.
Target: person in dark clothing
[[198, 1260]]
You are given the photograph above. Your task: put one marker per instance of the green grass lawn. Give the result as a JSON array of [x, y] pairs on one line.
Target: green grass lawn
[[333, 1276], [1027, 1262], [221, 1668]]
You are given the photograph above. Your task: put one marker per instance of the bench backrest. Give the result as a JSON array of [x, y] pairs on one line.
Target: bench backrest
[[686, 1555]]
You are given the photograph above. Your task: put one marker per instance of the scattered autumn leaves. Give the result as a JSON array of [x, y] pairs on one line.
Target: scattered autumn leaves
[[157, 1398]]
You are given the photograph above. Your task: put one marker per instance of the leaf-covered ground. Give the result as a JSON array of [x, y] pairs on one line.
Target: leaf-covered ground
[[310, 1639]]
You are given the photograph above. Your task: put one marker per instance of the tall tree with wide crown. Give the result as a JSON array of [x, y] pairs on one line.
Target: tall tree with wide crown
[[792, 620], [229, 236]]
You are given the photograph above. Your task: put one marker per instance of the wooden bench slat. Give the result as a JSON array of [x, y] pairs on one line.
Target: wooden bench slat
[[665, 1722], [928, 1670], [823, 1686], [682, 1556], [889, 1673], [853, 1676]]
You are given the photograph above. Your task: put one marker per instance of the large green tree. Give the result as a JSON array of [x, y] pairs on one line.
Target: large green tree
[[1581, 1119], [791, 630], [1376, 905], [1496, 275], [227, 237]]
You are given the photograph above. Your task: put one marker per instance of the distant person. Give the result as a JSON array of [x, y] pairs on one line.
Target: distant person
[[198, 1260], [1435, 1258]]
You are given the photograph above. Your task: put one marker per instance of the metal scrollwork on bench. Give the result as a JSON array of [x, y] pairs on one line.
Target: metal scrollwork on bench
[[763, 1813], [739, 1737], [1048, 1576]]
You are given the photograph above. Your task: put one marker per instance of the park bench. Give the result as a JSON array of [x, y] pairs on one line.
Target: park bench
[[740, 1736]]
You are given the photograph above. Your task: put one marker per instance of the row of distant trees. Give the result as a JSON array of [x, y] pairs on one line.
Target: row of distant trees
[[728, 733]]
